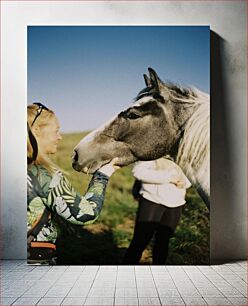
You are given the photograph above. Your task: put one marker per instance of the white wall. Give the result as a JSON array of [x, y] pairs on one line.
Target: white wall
[[227, 20]]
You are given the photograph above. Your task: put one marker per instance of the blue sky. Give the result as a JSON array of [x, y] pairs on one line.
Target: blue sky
[[86, 74]]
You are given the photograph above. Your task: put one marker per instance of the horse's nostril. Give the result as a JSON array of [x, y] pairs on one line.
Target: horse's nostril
[[75, 157]]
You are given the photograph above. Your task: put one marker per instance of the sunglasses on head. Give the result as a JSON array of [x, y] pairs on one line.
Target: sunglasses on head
[[39, 111]]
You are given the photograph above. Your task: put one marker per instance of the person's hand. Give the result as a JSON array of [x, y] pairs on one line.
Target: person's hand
[[179, 184], [174, 176], [114, 162], [109, 168]]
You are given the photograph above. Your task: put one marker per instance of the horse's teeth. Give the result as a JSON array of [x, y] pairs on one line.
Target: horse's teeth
[[85, 169]]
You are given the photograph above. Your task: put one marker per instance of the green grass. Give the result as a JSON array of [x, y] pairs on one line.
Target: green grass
[[105, 241]]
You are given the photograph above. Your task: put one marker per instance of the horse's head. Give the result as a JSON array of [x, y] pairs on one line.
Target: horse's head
[[145, 131]]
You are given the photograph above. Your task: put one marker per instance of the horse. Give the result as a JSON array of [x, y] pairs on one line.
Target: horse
[[165, 119]]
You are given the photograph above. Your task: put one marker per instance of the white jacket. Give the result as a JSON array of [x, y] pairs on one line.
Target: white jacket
[[158, 186]]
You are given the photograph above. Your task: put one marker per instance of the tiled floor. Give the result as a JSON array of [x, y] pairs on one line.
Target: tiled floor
[[123, 285]]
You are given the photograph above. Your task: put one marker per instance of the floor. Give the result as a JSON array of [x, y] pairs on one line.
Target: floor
[[123, 285]]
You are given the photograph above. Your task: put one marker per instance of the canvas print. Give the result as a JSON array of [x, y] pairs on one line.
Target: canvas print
[[118, 145]]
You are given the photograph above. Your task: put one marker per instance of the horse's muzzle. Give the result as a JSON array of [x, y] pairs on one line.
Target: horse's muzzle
[[76, 166], [75, 156], [75, 163]]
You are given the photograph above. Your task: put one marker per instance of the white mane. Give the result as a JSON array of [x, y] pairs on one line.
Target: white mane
[[194, 149]]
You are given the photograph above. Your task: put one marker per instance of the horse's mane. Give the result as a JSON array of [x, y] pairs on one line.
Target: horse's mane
[[194, 148], [188, 95], [178, 93]]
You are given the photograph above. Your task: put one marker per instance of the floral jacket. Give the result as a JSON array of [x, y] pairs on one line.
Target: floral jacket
[[57, 195]]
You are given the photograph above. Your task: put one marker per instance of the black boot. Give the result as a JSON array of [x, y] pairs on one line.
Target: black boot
[[161, 244]]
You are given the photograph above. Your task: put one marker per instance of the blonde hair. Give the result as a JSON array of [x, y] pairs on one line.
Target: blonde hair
[[41, 121]]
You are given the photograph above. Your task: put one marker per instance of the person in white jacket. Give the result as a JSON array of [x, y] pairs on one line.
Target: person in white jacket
[[161, 197]]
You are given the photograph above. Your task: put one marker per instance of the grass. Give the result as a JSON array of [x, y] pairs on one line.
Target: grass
[[105, 241]]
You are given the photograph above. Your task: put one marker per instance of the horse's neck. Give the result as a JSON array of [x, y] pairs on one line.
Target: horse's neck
[[192, 151]]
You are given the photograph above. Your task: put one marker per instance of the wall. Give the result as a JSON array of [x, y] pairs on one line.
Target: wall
[[227, 20]]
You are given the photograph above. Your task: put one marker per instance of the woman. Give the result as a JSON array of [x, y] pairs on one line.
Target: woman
[[161, 197], [52, 201]]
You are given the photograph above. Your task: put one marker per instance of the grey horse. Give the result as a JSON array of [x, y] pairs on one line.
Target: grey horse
[[164, 119]]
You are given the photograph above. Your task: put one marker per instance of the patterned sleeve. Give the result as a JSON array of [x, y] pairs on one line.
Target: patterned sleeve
[[67, 203]]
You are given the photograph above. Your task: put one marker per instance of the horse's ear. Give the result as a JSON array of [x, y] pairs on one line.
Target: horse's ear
[[147, 80], [159, 87], [154, 79]]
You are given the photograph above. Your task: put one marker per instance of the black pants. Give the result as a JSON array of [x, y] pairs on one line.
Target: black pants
[[152, 219]]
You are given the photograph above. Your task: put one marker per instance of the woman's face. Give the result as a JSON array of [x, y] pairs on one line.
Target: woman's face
[[49, 136]]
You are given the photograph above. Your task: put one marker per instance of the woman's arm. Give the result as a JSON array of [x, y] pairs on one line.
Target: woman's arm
[[183, 181], [67, 203], [143, 172]]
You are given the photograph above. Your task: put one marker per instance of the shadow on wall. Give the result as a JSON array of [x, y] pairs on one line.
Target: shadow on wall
[[224, 229]]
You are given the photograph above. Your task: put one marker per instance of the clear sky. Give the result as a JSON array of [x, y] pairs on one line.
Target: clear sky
[[86, 74]]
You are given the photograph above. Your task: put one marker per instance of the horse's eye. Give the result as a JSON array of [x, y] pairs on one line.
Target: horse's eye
[[133, 116]]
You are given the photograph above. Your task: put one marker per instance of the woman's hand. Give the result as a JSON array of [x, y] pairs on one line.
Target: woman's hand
[[109, 168], [114, 163], [179, 184]]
